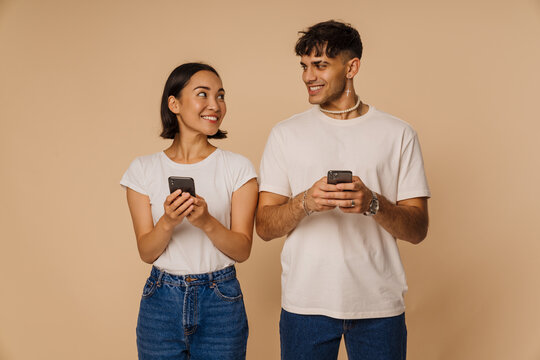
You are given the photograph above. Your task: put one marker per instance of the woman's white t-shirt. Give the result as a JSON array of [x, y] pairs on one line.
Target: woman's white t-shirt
[[216, 177]]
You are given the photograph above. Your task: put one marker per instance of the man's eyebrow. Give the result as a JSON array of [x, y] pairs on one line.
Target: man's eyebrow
[[318, 62]]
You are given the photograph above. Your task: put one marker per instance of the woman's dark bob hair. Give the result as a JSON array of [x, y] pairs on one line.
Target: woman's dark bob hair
[[174, 85]]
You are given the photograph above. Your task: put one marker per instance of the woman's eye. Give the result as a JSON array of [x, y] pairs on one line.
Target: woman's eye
[[221, 97], [202, 94]]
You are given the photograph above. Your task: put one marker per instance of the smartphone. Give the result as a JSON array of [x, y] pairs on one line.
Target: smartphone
[[339, 176], [186, 184]]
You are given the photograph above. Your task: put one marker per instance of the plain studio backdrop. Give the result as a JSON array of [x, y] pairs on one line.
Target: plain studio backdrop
[[80, 85]]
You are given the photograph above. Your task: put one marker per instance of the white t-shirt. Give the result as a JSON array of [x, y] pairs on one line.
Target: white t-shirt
[[342, 265], [190, 251]]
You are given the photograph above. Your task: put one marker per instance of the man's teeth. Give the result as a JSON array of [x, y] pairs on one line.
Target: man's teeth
[[315, 88], [213, 118]]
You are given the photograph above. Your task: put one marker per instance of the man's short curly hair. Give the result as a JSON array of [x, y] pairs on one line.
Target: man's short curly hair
[[332, 37]]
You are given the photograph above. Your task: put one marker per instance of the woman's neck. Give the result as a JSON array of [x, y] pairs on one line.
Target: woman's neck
[[188, 149]]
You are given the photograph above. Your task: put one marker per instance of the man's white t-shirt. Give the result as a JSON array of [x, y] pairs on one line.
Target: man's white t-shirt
[[342, 265], [216, 177]]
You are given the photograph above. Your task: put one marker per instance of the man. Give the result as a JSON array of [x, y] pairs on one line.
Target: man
[[342, 273]]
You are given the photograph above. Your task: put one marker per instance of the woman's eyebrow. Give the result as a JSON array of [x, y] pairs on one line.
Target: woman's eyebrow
[[207, 88]]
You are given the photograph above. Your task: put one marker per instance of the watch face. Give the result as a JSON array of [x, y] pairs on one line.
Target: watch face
[[374, 205]]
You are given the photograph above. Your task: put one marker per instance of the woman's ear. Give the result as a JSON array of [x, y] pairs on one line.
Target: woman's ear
[[174, 104]]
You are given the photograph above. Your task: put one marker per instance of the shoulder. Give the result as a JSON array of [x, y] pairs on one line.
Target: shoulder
[[145, 165], [392, 123], [145, 161], [296, 120], [293, 126], [232, 158], [150, 158]]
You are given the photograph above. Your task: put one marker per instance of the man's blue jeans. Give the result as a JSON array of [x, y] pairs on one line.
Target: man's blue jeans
[[193, 316], [314, 337]]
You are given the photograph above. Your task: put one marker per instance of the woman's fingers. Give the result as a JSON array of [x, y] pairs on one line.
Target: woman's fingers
[[172, 197], [183, 207], [179, 201]]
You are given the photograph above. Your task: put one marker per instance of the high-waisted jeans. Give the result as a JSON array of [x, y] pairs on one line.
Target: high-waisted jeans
[[199, 316]]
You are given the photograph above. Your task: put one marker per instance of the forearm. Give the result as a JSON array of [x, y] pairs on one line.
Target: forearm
[[235, 245], [152, 244], [408, 223], [275, 221]]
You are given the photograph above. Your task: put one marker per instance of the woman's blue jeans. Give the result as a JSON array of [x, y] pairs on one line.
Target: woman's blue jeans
[[194, 317], [317, 337]]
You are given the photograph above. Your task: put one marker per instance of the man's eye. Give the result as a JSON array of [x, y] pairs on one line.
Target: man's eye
[[221, 97], [202, 94], [321, 66]]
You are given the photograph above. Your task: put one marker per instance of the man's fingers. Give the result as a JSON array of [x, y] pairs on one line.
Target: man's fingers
[[348, 186], [341, 203], [328, 187], [357, 184], [340, 195]]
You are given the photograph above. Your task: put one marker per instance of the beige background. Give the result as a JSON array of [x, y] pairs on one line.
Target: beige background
[[80, 83]]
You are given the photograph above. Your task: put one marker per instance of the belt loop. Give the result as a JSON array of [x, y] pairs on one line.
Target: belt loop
[[210, 277], [161, 272]]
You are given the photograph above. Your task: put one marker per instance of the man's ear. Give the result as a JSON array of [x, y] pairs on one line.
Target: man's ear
[[353, 66], [174, 104]]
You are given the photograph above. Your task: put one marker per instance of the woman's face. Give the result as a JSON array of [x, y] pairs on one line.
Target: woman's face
[[201, 105]]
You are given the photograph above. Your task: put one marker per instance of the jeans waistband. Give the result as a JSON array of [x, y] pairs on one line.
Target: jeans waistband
[[194, 279]]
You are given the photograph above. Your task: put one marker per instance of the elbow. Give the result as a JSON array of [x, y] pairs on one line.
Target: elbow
[[241, 259], [416, 240], [419, 237], [262, 233], [262, 230], [147, 259], [245, 255]]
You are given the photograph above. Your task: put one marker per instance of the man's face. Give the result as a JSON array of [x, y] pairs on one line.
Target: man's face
[[324, 77]]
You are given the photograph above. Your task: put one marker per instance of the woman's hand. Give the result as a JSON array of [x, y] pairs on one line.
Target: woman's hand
[[199, 216], [177, 206]]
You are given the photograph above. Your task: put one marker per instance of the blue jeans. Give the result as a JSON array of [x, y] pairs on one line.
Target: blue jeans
[[192, 317], [317, 337]]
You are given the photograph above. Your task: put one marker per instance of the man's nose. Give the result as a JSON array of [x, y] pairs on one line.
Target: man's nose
[[309, 75]]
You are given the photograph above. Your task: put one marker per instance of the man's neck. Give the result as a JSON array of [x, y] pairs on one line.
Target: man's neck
[[344, 103]]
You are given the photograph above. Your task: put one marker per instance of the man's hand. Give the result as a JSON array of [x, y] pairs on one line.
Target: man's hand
[[352, 197], [317, 195]]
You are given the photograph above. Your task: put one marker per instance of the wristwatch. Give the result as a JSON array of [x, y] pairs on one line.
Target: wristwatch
[[373, 205]]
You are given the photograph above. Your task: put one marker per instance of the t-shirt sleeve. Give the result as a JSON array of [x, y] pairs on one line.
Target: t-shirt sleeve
[[274, 176], [245, 171], [134, 177], [412, 180]]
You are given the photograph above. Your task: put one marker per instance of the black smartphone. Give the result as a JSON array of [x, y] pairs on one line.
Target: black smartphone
[[339, 176], [186, 184]]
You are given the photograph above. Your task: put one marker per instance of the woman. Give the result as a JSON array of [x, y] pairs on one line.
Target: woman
[[192, 304]]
